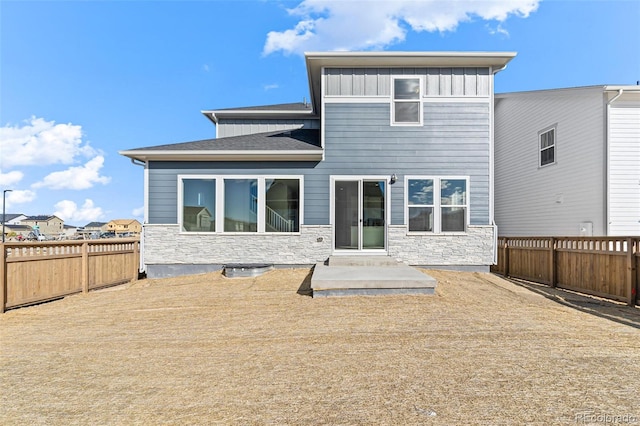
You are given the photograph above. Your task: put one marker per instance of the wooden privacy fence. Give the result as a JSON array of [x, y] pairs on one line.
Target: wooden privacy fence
[[36, 272], [602, 266]]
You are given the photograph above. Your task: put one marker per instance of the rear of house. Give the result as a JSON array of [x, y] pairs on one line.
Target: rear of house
[[568, 162], [392, 156]]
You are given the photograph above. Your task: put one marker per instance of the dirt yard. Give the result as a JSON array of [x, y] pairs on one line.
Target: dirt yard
[[206, 349]]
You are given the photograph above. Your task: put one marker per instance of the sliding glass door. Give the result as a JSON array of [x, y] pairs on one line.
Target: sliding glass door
[[360, 214]]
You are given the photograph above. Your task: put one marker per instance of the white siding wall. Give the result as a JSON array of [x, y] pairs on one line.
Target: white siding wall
[[624, 168], [555, 199]]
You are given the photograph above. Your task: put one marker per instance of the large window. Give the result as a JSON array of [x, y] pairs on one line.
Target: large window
[[547, 140], [198, 205], [437, 204], [240, 205], [282, 205], [407, 103], [246, 204]]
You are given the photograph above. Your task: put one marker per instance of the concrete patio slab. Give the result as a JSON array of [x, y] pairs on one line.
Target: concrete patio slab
[[369, 280]]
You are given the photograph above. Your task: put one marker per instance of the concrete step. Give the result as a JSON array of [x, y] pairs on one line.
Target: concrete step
[[363, 261], [369, 280]]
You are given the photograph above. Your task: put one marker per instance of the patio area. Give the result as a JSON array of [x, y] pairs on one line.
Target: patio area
[[206, 349]]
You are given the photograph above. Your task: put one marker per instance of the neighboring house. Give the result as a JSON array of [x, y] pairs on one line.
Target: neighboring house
[[47, 225], [392, 156], [92, 229], [68, 231], [568, 162], [124, 226], [17, 232], [95, 227], [12, 218]]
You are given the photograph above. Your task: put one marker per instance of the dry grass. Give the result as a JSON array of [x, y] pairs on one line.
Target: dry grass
[[210, 350]]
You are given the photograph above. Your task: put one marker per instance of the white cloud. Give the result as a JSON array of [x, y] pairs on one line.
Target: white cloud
[[19, 197], [40, 143], [374, 24], [68, 211], [79, 177], [268, 87], [9, 179], [138, 212]]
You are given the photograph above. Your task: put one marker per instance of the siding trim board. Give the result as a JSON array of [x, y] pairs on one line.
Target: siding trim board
[[435, 82]]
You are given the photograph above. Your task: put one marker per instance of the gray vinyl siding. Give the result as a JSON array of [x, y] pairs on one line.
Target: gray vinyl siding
[[357, 82], [359, 140], [239, 127], [554, 199]]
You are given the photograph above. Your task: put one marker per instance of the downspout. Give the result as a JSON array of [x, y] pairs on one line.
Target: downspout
[[606, 161], [491, 170], [142, 267]]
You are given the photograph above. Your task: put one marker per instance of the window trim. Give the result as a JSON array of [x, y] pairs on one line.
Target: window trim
[[546, 130], [219, 206], [419, 100], [437, 204]]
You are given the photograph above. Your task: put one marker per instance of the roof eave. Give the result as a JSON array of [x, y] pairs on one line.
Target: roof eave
[[215, 115], [246, 155]]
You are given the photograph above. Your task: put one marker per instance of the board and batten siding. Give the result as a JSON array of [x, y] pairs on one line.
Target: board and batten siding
[[238, 127], [624, 168], [553, 199], [359, 140], [357, 82]]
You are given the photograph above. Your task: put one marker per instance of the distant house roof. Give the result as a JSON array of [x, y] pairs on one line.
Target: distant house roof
[[123, 221], [195, 210], [9, 216], [95, 224], [18, 228], [41, 218], [281, 145]]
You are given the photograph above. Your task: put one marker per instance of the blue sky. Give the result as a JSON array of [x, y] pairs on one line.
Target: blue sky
[[81, 80]]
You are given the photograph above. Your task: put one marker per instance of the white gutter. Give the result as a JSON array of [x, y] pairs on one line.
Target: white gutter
[[491, 167], [606, 162], [142, 267]]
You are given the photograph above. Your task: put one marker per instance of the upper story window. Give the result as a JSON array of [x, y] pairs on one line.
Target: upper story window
[[547, 143], [407, 103]]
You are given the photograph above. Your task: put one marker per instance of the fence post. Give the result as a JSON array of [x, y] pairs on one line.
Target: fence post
[[631, 273], [85, 267], [136, 260], [506, 257], [3, 278], [552, 258]]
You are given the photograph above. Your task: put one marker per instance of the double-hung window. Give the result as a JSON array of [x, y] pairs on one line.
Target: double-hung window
[[437, 204], [247, 204], [547, 143], [407, 101]]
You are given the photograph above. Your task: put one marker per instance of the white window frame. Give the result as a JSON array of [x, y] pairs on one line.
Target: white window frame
[[220, 211], [554, 145], [437, 203], [419, 100]]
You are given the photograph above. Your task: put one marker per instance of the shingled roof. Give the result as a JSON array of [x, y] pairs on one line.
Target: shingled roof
[[297, 144]]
